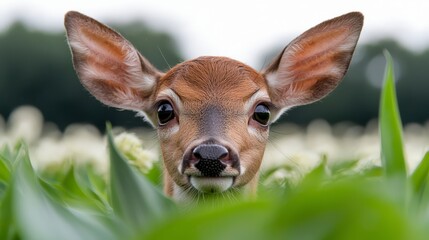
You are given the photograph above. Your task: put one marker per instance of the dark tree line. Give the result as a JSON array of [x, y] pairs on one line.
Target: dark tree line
[[36, 69]]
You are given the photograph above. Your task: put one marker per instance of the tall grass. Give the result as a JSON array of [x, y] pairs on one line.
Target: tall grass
[[330, 202]]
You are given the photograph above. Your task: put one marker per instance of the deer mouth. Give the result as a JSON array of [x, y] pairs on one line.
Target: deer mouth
[[211, 184], [210, 167]]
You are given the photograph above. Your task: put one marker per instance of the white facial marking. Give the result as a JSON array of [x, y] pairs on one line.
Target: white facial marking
[[272, 80], [145, 117], [168, 132], [211, 184], [276, 115], [256, 134], [180, 195], [258, 96], [169, 93], [242, 169]]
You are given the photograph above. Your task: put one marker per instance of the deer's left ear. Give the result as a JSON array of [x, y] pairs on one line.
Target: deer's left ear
[[314, 63], [108, 65]]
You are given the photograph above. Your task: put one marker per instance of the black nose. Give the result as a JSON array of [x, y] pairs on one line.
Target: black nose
[[210, 151], [209, 157]]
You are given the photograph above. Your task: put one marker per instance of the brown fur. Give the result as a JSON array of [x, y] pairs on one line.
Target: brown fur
[[218, 81]]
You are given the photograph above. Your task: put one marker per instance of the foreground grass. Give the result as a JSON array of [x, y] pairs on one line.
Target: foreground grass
[[330, 202]]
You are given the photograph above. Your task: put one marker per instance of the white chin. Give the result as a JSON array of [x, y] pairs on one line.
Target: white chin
[[211, 184]]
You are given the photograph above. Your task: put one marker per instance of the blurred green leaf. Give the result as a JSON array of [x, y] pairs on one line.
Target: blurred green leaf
[[6, 155], [343, 167], [93, 186], [155, 174], [70, 183], [420, 184], [96, 182], [133, 197], [354, 209], [39, 217], [55, 173], [7, 219], [79, 191], [319, 173], [392, 154], [7, 224], [242, 220], [70, 193], [371, 172], [420, 175], [4, 170]]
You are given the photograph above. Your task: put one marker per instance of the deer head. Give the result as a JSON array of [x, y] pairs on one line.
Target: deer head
[[212, 114]]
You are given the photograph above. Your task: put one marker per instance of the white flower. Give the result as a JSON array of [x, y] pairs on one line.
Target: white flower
[[80, 144], [132, 147], [25, 122], [284, 177]]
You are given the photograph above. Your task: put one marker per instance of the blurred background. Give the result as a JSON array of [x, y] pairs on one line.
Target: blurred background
[[36, 67]]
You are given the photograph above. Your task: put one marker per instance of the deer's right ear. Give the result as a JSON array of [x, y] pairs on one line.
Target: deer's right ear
[[108, 65], [314, 63]]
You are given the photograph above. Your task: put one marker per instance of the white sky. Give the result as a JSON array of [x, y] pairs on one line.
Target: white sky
[[241, 29]]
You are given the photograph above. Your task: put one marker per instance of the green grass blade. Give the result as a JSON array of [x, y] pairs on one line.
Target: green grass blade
[[133, 197], [318, 174], [420, 175], [242, 220], [6, 155], [392, 154], [7, 220], [39, 217], [4, 170], [93, 185], [7, 225], [356, 209]]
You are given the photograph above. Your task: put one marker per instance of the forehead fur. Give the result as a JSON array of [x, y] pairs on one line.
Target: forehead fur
[[216, 78]]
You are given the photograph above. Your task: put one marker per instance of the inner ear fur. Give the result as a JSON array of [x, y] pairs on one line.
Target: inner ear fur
[[314, 63], [108, 65]]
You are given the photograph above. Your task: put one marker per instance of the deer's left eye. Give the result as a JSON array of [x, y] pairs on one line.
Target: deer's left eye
[[165, 113], [261, 114]]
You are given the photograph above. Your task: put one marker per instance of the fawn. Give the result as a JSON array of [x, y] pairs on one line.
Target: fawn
[[212, 114]]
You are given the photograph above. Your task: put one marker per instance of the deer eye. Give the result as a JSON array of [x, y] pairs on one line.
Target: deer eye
[[261, 114], [165, 113]]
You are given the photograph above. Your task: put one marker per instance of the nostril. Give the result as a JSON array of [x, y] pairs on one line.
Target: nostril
[[210, 168], [208, 159], [223, 155]]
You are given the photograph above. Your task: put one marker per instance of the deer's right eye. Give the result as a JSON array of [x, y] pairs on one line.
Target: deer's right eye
[[262, 114], [165, 113]]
